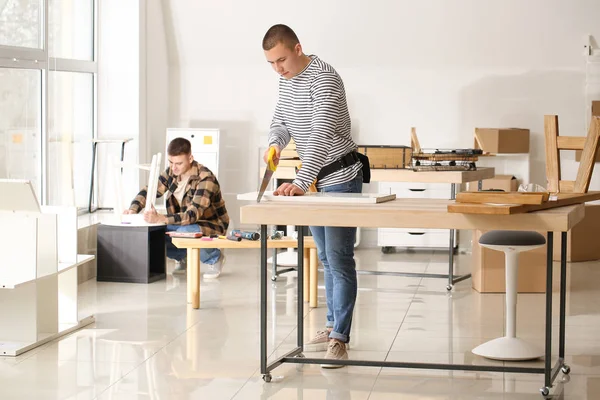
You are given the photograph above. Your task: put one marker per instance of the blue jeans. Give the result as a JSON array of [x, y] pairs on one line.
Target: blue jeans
[[207, 256], [335, 247]]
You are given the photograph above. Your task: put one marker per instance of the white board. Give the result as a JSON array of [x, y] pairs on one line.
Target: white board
[[205, 145], [21, 196], [319, 197]]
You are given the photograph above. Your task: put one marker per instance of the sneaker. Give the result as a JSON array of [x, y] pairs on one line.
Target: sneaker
[[215, 269], [180, 267], [320, 341], [336, 350]]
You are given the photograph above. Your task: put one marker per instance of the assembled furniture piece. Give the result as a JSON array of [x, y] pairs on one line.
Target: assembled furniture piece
[[510, 347], [38, 270], [411, 213], [95, 143], [193, 247]]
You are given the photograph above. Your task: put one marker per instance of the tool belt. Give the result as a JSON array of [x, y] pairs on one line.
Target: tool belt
[[346, 161]]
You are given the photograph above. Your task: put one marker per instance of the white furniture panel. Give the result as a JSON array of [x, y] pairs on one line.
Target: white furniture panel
[[38, 271], [420, 238]]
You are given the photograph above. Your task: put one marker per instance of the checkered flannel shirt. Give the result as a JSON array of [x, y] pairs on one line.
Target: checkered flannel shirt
[[202, 202]]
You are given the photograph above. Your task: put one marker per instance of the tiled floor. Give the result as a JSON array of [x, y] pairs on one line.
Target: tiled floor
[[147, 343]]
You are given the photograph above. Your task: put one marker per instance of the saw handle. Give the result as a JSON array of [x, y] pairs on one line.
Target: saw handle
[[270, 156]]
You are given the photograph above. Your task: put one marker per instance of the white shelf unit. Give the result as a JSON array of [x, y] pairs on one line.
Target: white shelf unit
[[415, 238], [38, 270]]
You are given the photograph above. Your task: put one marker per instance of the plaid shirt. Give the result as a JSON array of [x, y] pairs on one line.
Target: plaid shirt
[[202, 202]]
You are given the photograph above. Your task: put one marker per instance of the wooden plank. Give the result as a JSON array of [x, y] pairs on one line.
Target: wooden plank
[[414, 141], [502, 197], [552, 154], [570, 142], [586, 166], [566, 186], [564, 199]]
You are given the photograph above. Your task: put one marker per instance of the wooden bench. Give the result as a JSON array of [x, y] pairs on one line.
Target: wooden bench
[[193, 247]]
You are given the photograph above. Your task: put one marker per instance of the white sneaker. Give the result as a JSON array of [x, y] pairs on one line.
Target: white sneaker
[[180, 267], [215, 269]]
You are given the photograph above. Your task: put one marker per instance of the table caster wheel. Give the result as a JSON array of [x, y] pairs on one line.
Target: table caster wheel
[[566, 369], [545, 391], [386, 249], [267, 378], [300, 355], [274, 278], [449, 287]]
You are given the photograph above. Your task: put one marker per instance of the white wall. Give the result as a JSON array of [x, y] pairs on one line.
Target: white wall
[[442, 66]]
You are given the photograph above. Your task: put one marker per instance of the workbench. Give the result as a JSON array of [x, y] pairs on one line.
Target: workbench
[[407, 213], [454, 178]]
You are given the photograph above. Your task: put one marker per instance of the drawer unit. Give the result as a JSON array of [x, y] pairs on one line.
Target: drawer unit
[[418, 238]]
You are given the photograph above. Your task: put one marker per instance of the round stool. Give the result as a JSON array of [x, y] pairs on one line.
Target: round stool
[[510, 347]]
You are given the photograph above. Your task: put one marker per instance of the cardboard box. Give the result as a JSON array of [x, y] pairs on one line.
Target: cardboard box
[[502, 140], [508, 183], [582, 240], [488, 269], [384, 157]]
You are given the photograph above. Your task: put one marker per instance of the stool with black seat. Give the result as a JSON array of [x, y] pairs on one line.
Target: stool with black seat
[[510, 347]]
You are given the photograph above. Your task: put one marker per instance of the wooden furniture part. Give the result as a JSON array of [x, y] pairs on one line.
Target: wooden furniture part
[[193, 247], [406, 213], [563, 199], [503, 197], [568, 192], [555, 143]]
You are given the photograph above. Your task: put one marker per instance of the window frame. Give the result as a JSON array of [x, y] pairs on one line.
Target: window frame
[[39, 59]]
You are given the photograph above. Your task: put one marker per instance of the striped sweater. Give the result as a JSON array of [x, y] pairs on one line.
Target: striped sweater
[[312, 110]]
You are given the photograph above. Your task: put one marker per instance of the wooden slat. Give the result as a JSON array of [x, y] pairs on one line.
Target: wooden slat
[[502, 197], [414, 140], [552, 155], [566, 186], [586, 166], [570, 142], [564, 199]]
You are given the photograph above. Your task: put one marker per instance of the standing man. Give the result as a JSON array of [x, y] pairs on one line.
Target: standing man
[[312, 110], [194, 204]]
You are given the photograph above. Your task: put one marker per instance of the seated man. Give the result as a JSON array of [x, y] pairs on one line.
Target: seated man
[[194, 204]]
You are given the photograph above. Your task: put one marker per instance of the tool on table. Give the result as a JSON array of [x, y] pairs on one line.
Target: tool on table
[[271, 167], [234, 238], [245, 235]]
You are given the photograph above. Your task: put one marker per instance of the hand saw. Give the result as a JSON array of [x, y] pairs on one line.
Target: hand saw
[[271, 167]]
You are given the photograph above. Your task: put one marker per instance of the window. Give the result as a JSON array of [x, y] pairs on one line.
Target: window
[[70, 133], [20, 23], [48, 96], [20, 122], [71, 29]]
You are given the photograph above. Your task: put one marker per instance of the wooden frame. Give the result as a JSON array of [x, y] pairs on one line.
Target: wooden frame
[[555, 143]]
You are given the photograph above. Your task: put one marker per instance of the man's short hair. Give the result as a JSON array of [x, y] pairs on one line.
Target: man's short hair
[[279, 34], [179, 146]]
